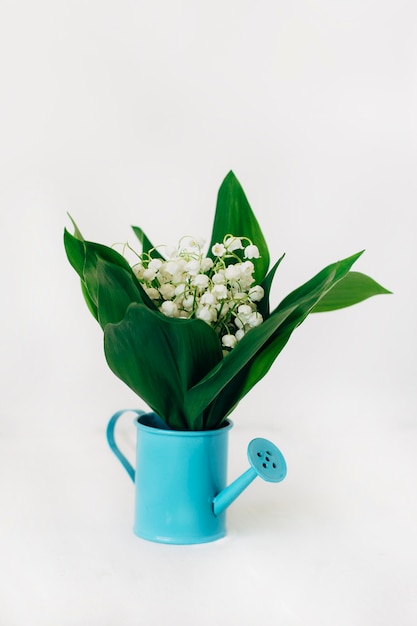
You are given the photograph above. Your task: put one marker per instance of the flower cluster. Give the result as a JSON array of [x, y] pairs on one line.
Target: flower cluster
[[218, 290]]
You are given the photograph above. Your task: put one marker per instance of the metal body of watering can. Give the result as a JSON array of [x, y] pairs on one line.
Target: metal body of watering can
[[180, 479]]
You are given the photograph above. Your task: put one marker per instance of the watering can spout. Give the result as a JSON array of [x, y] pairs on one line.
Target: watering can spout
[[265, 460]]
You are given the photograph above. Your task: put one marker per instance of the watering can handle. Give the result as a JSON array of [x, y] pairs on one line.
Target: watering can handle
[[112, 442]]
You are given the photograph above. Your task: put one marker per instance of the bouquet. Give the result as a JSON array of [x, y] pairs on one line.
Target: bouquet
[[191, 331]]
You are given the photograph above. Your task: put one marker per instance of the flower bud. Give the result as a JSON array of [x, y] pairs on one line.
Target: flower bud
[[208, 298], [244, 310], [200, 281], [155, 264], [167, 290], [240, 334], [207, 314], [229, 341], [256, 293], [169, 309], [220, 292], [255, 319], [252, 252], [192, 267], [152, 293], [219, 278], [149, 274], [206, 264]]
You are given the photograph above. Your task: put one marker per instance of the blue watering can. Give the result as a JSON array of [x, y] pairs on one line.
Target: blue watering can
[[180, 478]]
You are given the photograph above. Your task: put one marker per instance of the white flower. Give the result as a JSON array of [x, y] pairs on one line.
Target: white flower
[[208, 298], [233, 272], [194, 286], [167, 290], [222, 308], [255, 319], [192, 267], [245, 282], [172, 267], [219, 278], [155, 264], [252, 252], [138, 269], [238, 323], [207, 314], [180, 289], [220, 292], [244, 310], [152, 293], [256, 293], [188, 303], [229, 341], [200, 281], [149, 274], [191, 244], [238, 295], [218, 249], [247, 268], [169, 309], [206, 264], [169, 268], [240, 334], [233, 243]]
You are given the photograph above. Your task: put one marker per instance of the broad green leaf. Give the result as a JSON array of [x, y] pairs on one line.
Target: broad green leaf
[[90, 304], [234, 216], [117, 289], [147, 245], [160, 358], [94, 252], [85, 256], [222, 389], [353, 288], [305, 298], [75, 250], [259, 348]]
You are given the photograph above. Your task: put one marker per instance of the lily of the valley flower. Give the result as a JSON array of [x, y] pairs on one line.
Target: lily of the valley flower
[[191, 285], [252, 252], [233, 243], [218, 249]]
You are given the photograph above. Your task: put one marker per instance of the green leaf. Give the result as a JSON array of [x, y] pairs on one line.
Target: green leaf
[[223, 385], [160, 358], [94, 252], [263, 305], [85, 256], [117, 289], [353, 288], [90, 304], [234, 216], [260, 346], [147, 245], [77, 232], [75, 250], [305, 298]]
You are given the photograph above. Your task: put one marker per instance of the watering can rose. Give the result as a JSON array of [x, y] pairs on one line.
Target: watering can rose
[[190, 333]]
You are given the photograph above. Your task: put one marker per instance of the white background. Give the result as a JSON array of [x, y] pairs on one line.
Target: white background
[[132, 112]]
